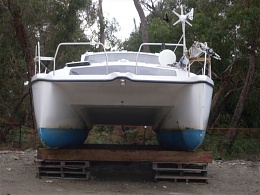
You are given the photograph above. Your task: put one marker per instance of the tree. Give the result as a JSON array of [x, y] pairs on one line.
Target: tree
[[101, 25], [55, 22], [245, 14], [143, 26], [23, 40], [232, 29]]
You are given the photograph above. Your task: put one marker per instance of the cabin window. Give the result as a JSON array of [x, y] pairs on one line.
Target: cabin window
[[141, 70], [115, 57]]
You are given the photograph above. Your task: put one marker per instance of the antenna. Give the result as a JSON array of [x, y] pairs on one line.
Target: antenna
[[183, 20]]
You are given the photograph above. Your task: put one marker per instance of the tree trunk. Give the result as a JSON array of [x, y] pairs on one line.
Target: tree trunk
[[215, 115], [226, 82], [217, 104], [8, 126], [143, 27], [243, 96], [24, 42], [101, 24]]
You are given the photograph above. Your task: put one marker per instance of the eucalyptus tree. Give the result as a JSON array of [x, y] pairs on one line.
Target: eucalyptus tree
[[101, 24], [143, 25], [244, 15], [232, 29], [55, 22], [156, 28]]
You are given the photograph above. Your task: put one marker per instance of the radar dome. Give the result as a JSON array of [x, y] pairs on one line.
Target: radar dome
[[167, 57]]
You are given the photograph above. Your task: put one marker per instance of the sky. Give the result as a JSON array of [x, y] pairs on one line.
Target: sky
[[124, 12]]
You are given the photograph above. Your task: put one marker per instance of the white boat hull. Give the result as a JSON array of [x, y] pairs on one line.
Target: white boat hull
[[126, 88], [74, 104]]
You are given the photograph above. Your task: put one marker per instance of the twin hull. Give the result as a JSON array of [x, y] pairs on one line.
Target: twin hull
[[66, 109]]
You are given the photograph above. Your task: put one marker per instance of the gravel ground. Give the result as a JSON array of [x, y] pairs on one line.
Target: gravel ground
[[18, 176]]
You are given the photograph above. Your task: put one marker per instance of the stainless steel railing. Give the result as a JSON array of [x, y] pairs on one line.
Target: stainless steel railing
[[38, 58]]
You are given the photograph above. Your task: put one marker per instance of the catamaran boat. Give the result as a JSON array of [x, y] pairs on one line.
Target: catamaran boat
[[126, 88]]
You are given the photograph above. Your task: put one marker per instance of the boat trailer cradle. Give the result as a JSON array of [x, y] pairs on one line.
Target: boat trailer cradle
[[76, 163]]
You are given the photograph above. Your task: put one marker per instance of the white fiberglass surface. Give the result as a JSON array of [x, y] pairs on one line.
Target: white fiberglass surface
[[122, 57], [140, 70]]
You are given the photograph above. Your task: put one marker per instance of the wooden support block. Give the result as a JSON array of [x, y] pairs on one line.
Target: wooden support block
[[173, 165], [63, 169], [123, 155], [185, 179], [180, 172]]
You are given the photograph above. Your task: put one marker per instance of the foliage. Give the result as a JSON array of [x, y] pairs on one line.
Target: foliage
[[132, 43], [230, 27], [246, 146], [119, 135], [20, 136], [50, 21]]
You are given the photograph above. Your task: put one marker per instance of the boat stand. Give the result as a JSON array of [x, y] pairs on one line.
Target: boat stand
[[75, 163], [181, 172]]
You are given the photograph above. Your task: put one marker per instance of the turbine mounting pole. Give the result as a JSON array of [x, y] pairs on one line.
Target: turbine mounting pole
[[183, 19]]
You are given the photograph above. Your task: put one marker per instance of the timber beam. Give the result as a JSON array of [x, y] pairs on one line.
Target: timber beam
[[124, 155]]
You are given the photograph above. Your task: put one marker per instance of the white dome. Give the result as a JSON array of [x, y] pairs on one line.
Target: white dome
[[167, 57]]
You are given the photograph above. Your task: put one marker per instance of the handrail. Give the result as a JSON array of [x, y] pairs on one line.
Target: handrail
[[40, 58], [200, 58], [39, 54], [80, 43], [152, 44]]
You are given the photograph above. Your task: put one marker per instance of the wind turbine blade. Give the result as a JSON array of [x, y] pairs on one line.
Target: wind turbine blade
[[176, 22], [190, 14], [181, 10], [188, 23], [176, 13]]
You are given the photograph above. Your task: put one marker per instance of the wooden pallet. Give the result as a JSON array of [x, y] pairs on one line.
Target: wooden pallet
[[62, 169], [181, 172], [163, 161]]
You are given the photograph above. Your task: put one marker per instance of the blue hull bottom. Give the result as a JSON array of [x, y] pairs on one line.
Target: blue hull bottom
[[62, 138], [187, 139]]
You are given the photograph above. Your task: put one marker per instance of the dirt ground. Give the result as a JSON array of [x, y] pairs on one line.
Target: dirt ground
[[18, 176]]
